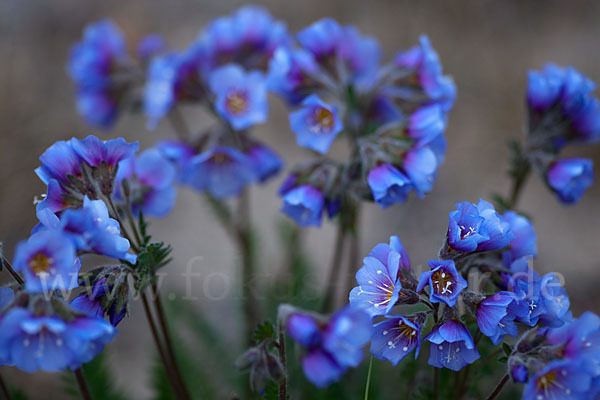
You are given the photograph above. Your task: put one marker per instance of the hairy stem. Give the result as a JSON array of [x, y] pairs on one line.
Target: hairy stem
[[12, 271], [180, 393], [82, 383], [498, 388], [162, 323], [334, 269], [282, 359]]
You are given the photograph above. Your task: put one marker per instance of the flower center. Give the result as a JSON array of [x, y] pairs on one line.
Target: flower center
[[323, 120], [442, 282], [546, 381], [236, 102], [40, 264], [465, 231], [220, 158], [406, 330]]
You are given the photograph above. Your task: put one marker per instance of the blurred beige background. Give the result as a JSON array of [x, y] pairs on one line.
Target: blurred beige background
[[487, 46]]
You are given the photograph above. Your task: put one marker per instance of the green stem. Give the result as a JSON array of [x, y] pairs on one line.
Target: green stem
[[282, 359], [368, 378], [82, 383], [12, 271], [246, 247], [334, 269], [4, 389], [498, 388], [518, 183], [436, 381]]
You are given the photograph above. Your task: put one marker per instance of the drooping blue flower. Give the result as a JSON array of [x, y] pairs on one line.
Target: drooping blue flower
[[560, 379], [581, 341], [565, 91], [92, 65], [519, 373], [222, 171], [241, 97], [341, 50], [426, 123], [395, 338], [333, 347], [248, 37], [542, 300], [378, 281], [50, 343], [100, 300], [452, 346], [179, 153], [266, 163], [444, 281], [48, 261], [493, 317], [304, 204], [477, 227], [388, 185], [425, 63], [569, 178], [173, 77], [95, 152], [316, 124], [524, 243], [150, 177], [58, 162], [150, 46], [420, 165], [290, 74]]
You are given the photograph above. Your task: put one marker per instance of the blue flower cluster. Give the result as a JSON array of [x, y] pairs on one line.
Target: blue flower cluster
[[394, 115], [557, 356], [562, 109], [90, 185]]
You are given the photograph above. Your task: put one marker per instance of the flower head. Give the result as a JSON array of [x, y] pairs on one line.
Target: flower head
[[452, 346], [150, 46], [524, 243], [542, 300], [333, 347], [560, 379], [379, 280], [388, 185], [427, 123], [49, 343], [394, 338], [444, 281], [494, 319], [92, 65], [316, 124], [569, 178], [222, 171], [266, 163], [290, 72], [241, 97], [102, 299], [304, 204], [48, 261], [150, 177]]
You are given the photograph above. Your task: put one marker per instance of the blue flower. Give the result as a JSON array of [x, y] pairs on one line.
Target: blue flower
[[388, 185], [173, 77], [383, 250], [49, 343], [58, 162], [150, 46], [394, 338], [445, 283], [493, 317], [247, 37], [426, 123], [92, 64], [560, 379], [524, 243], [304, 204], [542, 300], [290, 72], [179, 153], [519, 373], [378, 280], [332, 45], [581, 341], [95, 152], [48, 261], [241, 97], [420, 165], [452, 346], [266, 163], [568, 92], [150, 177], [100, 300], [569, 178], [316, 124], [425, 63], [332, 347], [222, 171], [477, 227]]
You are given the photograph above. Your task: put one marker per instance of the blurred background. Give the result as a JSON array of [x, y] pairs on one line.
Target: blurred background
[[487, 46]]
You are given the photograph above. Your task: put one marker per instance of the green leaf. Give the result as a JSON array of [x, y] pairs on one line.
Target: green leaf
[[507, 349], [264, 330], [503, 359]]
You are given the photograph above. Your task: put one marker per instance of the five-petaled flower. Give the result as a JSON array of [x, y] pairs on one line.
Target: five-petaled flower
[[444, 281]]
